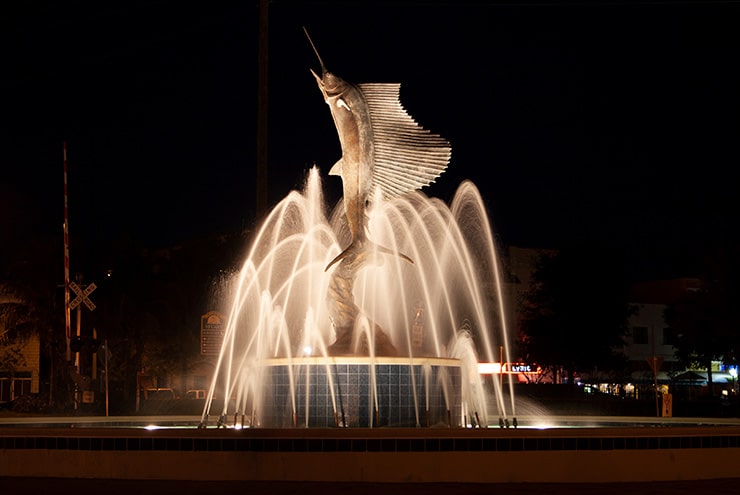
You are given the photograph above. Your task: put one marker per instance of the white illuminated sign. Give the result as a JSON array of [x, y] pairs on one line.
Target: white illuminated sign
[[508, 368]]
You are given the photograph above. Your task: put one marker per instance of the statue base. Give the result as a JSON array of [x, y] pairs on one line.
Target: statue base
[[347, 345], [360, 392]]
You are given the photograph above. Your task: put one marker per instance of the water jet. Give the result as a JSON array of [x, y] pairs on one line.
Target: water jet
[[442, 313]]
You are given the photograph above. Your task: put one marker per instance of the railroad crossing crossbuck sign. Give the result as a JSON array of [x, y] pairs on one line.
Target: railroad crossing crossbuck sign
[[82, 296]]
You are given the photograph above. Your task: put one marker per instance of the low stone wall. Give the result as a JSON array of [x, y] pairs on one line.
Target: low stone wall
[[375, 455]]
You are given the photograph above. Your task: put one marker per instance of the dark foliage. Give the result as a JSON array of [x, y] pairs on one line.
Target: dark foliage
[[705, 321], [575, 315]]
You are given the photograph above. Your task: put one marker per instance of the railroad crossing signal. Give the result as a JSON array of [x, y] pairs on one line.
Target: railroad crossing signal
[[82, 296]]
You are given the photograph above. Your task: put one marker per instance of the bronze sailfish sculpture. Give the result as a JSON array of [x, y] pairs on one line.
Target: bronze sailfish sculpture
[[382, 147]]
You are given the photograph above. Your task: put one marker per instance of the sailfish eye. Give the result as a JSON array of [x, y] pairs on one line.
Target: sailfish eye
[[333, 84]]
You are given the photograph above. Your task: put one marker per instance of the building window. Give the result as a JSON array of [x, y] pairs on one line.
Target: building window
[[639, 335], [5, 390], [21, 387], [13, 387], [668, 336]]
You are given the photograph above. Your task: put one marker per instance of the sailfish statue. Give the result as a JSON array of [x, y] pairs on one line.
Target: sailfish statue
[[382, 147]]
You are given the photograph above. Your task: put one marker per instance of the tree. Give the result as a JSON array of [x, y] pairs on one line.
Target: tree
[[574, 317], [149, 308], [705, 321], [26, 311]]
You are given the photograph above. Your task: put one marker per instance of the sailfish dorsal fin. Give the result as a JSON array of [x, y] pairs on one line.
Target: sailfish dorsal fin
[[407, 156]]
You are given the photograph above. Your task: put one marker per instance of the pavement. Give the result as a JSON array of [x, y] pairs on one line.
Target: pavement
[[33, 486]]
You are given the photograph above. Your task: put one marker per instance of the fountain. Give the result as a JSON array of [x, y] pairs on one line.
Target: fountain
[[442, 313], [390, 337], [377, 314]]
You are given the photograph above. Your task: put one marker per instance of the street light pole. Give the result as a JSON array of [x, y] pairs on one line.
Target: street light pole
[[262, 112], [733, 374], [106, 376]]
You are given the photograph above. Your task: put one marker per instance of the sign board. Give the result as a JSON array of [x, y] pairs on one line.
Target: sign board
[[508, 368], [667, 410], [82, 296], [516, 368], [211, 333]]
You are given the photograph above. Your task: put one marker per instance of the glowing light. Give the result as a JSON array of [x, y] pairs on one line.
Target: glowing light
[[489, 368], [543, 426]]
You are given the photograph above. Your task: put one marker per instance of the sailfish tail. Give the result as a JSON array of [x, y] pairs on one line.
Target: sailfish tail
[[361, 249]]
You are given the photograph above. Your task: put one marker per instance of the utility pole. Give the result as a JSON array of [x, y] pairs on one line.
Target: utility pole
[[106, 377]]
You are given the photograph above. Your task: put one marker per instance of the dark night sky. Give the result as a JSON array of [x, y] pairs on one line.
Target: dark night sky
[[616, 123]]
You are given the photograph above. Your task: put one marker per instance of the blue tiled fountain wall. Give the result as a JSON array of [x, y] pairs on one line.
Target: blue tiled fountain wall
[[397, 405]]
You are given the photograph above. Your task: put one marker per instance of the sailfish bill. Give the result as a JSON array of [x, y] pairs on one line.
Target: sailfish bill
[[382, 147]]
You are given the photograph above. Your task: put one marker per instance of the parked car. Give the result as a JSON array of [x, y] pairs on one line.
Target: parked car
[[196, 394], [159, 394]]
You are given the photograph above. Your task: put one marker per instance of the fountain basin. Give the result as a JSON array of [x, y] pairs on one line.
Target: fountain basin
[[359, 392], [373, 455]]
